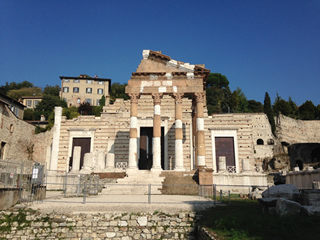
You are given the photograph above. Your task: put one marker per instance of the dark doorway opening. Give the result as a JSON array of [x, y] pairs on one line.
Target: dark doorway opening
[[299, 163], [146, 156], [225, 147], [85, 144]]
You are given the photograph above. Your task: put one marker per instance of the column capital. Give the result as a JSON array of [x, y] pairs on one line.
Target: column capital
[[134, 97], [199, 97], [178, 97], [157, 98]]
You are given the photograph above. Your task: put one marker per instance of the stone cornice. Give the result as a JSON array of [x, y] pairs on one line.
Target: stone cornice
[[224, 128]]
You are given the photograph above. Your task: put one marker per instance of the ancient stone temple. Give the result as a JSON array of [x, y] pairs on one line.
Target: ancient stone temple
[[166, 82], [164, 127]]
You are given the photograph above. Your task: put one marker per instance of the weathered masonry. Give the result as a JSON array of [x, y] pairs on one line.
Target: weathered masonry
[[163, 127], [159, 75]]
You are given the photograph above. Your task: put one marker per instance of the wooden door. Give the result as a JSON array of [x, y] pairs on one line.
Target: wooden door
[[85, 144], [225, 147]]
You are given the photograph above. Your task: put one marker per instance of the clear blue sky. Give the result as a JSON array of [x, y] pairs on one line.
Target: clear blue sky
[[261, 46]]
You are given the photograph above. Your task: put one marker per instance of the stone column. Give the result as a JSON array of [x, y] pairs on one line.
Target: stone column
[[178, 133], [76, 159], [133, 163], [156, 140], [56, 138], [201, 153]]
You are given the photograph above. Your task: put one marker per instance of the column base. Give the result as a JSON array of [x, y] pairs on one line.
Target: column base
[[156, 169], [179, 168]]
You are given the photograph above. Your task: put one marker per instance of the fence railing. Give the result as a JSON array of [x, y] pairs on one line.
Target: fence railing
[[12, 172], [38, 184], [91, 189]]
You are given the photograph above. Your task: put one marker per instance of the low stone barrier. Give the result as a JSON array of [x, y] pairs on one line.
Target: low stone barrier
[[304, 179], [30, 224], [8, 197]]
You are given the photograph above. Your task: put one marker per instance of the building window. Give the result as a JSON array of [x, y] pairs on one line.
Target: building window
[[36, 102], [65, 89], [66, 80], [259, 142], [100, 82], [100, 91], [78, 101], [89, 81], [29, 102], [98, 102], [88, 90], [65, 100], [75, 89], [76, 80], [3, 144], [88, 100]]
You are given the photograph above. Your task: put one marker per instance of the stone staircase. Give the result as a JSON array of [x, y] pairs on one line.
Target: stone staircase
[[135, 183], [179, 183]]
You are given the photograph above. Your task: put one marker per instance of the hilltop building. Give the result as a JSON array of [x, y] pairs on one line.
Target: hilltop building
[[77, 90]]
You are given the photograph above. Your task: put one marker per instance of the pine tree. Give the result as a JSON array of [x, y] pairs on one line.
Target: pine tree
[[268, 111]]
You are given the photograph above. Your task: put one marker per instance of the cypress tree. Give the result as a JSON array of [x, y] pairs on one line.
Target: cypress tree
[[268, 111]]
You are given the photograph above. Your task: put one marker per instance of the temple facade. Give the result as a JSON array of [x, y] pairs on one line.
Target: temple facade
[[164, 126]]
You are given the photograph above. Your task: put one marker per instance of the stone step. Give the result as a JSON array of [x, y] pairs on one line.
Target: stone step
[[180, 183], [136, 182]]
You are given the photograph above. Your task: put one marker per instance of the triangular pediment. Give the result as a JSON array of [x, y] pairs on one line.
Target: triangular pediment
[[155, 61]]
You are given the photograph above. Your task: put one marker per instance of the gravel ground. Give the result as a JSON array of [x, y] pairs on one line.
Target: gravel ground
[[55, 202]]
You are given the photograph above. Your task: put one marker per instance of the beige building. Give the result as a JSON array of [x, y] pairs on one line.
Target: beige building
[[77, 90], [31, 101], [16, 107]]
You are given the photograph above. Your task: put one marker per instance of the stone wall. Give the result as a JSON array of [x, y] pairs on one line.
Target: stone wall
[[17, 135], [113, 126], [304, 179], [42, 147], [117, 226], [297, 131]]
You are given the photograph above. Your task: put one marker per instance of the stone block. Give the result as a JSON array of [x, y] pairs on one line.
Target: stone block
[[286, 207], [282, 191]]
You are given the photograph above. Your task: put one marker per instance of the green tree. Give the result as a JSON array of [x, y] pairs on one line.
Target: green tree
[[234, 101], [28, 114], [268, 111], [218, 93], [51, 90], [96, 110], [102, 101], [294, 108], [4, 89], [318, 112], [85, 109], [16, 94], [243, 102], [254, 106], [47, 104], [281, 105], [307, 111], [71, 112], [118, 91]]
